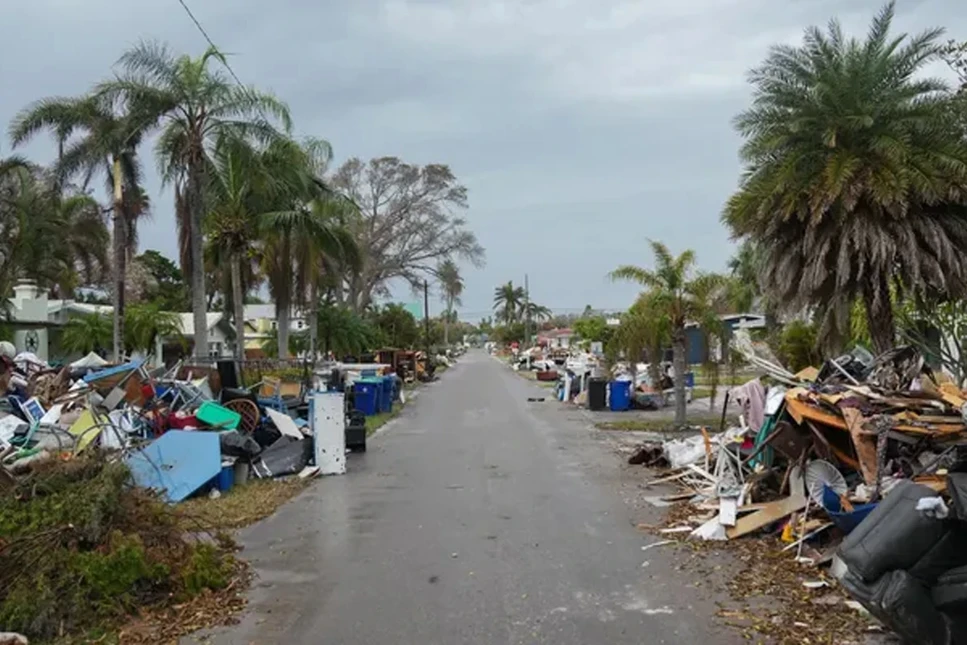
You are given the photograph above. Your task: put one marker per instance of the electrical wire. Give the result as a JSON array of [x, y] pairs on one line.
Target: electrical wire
[[210, 41]]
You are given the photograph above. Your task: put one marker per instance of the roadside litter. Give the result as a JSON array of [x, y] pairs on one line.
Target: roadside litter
[[862, 459], [185, 431]]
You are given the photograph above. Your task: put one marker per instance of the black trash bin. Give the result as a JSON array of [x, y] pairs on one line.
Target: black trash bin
[[597, 393]]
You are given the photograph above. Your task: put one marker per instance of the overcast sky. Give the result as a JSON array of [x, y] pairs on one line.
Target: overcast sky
[[581, 128]]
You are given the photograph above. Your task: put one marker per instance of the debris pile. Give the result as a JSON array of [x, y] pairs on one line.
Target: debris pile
[[861, 457], [184, 431]]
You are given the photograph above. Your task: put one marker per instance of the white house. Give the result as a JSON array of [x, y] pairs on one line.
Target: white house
[[37, 323]]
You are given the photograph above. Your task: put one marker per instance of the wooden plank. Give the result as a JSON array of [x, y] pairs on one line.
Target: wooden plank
[[952, 395], [800, 411], [773, 512], [864, 444]]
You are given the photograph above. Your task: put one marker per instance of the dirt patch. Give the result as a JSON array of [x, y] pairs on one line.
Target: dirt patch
[[768, 596]]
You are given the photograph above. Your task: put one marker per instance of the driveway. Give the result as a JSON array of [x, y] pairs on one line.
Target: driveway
[[475, 517]]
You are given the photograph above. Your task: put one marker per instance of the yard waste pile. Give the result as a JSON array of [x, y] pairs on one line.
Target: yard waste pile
[[860, 466], [81, 550]]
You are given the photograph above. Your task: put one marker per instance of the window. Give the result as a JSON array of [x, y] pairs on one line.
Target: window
[[301, 324], [214, 350], [275, 325]]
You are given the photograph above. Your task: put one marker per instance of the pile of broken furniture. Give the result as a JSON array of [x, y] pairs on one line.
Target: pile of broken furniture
[[179, 431], [860, 465]]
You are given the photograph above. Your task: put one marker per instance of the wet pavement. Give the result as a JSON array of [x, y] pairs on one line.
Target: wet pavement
[[476, 517]]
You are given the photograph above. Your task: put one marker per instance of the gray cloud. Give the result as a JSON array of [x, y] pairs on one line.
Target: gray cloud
[[581, 128]]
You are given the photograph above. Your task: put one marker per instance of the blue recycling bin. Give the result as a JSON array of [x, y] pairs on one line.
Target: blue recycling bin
[[689, 379], [389, 391], [366, 397], [620, 395]]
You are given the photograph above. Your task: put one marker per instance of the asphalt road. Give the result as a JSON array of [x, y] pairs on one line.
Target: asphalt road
[[475, 517]]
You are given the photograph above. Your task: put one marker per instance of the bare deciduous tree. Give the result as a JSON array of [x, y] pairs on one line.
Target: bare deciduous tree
[[407, 223]]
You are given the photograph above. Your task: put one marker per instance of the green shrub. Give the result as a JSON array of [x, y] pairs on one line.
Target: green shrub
[[80, 549]]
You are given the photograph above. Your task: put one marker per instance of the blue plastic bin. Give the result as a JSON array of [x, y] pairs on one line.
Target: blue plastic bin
[[620, 395], [389, 393], [366, 397], [689, 379], [845, 521]]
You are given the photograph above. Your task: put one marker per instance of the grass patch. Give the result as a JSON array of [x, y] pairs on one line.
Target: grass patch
[[243, 505], [710, 421], [377, 421]]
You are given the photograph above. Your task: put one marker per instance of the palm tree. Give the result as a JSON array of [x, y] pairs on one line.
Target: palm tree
[[232, 222], [536, 312], [303, 233], [197, 105], [645, 328], [710, 293], [451, 285], [673, 293], [84, 241], [57, 239], [85, 334], [109, 131], [146, 323], [856, 175], [508, 301]]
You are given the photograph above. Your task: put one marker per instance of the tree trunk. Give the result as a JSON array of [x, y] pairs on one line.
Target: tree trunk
[[283, 297], [678, 361], [120, 255], [198, 306], [313, 321], [282, 318], [238, 304], [879, 315], [446, 324]]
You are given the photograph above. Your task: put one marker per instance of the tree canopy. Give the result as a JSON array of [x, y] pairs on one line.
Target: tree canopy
[[856, 174]]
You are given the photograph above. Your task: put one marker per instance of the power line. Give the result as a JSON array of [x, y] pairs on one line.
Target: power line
[[211, 42]]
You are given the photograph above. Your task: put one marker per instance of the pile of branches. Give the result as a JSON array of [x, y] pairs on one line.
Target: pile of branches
[[81, 550]]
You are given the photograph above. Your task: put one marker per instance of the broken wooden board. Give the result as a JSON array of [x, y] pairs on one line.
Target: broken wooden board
[[864, 444], [952, 395], [773, 512], [801, 411]]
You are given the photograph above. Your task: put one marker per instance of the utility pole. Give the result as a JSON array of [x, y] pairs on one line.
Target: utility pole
[[426, 317], [527, 314]]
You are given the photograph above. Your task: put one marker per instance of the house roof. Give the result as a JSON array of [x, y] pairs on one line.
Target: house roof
[[56, 306], [188, 322], [267, 310]]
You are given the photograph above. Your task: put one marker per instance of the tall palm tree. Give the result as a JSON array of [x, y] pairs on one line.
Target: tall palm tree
[[856, 175], [97, 133], [673, 292], [320, 257], [451, 286], [197, 105], [232, 221], [508, 301], [303, 230], [645, 328]]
